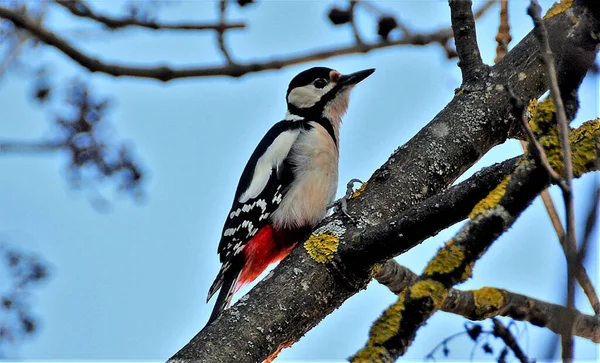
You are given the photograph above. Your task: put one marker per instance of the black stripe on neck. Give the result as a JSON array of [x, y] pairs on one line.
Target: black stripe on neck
[[323, 121]]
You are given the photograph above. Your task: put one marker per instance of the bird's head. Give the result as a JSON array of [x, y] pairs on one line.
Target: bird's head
[[322, 92]]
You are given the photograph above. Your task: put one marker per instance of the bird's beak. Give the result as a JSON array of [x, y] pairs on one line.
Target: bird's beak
[[353, 78]]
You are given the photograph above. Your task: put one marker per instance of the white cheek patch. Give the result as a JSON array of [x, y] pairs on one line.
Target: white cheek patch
[[304, 97], [307, 96]]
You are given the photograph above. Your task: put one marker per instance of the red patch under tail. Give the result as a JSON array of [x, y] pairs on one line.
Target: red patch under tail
[[266, 247]]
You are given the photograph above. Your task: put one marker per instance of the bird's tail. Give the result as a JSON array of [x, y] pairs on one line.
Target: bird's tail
[[228, 288]]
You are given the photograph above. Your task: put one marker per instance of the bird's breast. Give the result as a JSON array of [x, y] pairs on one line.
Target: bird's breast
[[314, 158]]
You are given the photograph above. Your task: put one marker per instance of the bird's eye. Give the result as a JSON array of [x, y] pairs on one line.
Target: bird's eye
[[320, 83]]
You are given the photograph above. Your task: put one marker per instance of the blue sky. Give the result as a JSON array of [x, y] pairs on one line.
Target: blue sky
[[131, 283]]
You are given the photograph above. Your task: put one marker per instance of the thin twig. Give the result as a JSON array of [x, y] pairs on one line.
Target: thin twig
[[478, 13], [352, 10], [221, 32], [503, 38], [591, 221], [25, 147], [368, 5], [580, 272], [81, 9], [22, 38], [503, 333], [534, 11], [465, 37]]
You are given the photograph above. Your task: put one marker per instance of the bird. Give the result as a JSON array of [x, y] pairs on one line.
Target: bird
[[287, 184]]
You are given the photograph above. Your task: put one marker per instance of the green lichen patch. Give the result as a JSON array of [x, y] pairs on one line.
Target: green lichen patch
[[388, 325], [429, 289], [558, 8], [445, 261], [487, 300], [492, 199], [359, 190], [322, 247]]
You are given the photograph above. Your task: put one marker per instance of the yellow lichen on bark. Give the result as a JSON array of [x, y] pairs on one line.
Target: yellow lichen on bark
[[322, 248], [487, 300], [375, 269], [445, 261], [585, 142], [388, 325], [541, 115], [429, 288], [468, 271], [492, 199], [359, 190], [376, 354], [558, 8]]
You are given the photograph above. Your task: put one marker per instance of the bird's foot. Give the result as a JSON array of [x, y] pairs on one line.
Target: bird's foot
[[342, 203]]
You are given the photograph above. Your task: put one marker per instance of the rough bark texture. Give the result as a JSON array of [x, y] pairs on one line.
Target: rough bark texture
[[302, 291]]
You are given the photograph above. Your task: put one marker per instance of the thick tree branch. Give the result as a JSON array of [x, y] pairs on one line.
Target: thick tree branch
[[395, 330], [426, 165], [81, 9], [490, 302], [472, 67]]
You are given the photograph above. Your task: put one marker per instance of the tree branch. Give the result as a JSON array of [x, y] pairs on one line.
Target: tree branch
[[503, 38], [29, 147], [221, 33], [489, 302], [395, 330], [503, 333], [469, 58], [165, 73], [413, 173], [81, 9]]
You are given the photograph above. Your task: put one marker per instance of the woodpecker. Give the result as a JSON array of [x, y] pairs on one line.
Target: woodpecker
[[288, 182]]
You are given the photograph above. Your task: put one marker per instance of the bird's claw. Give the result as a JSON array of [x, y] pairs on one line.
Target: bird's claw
[[342, 203]]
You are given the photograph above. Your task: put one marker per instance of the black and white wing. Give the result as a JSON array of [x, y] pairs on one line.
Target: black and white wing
[[261, 188]]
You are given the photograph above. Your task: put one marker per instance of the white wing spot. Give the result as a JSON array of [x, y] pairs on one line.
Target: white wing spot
[[229, 232], [235, 213], [238, 247], [262, 204]]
